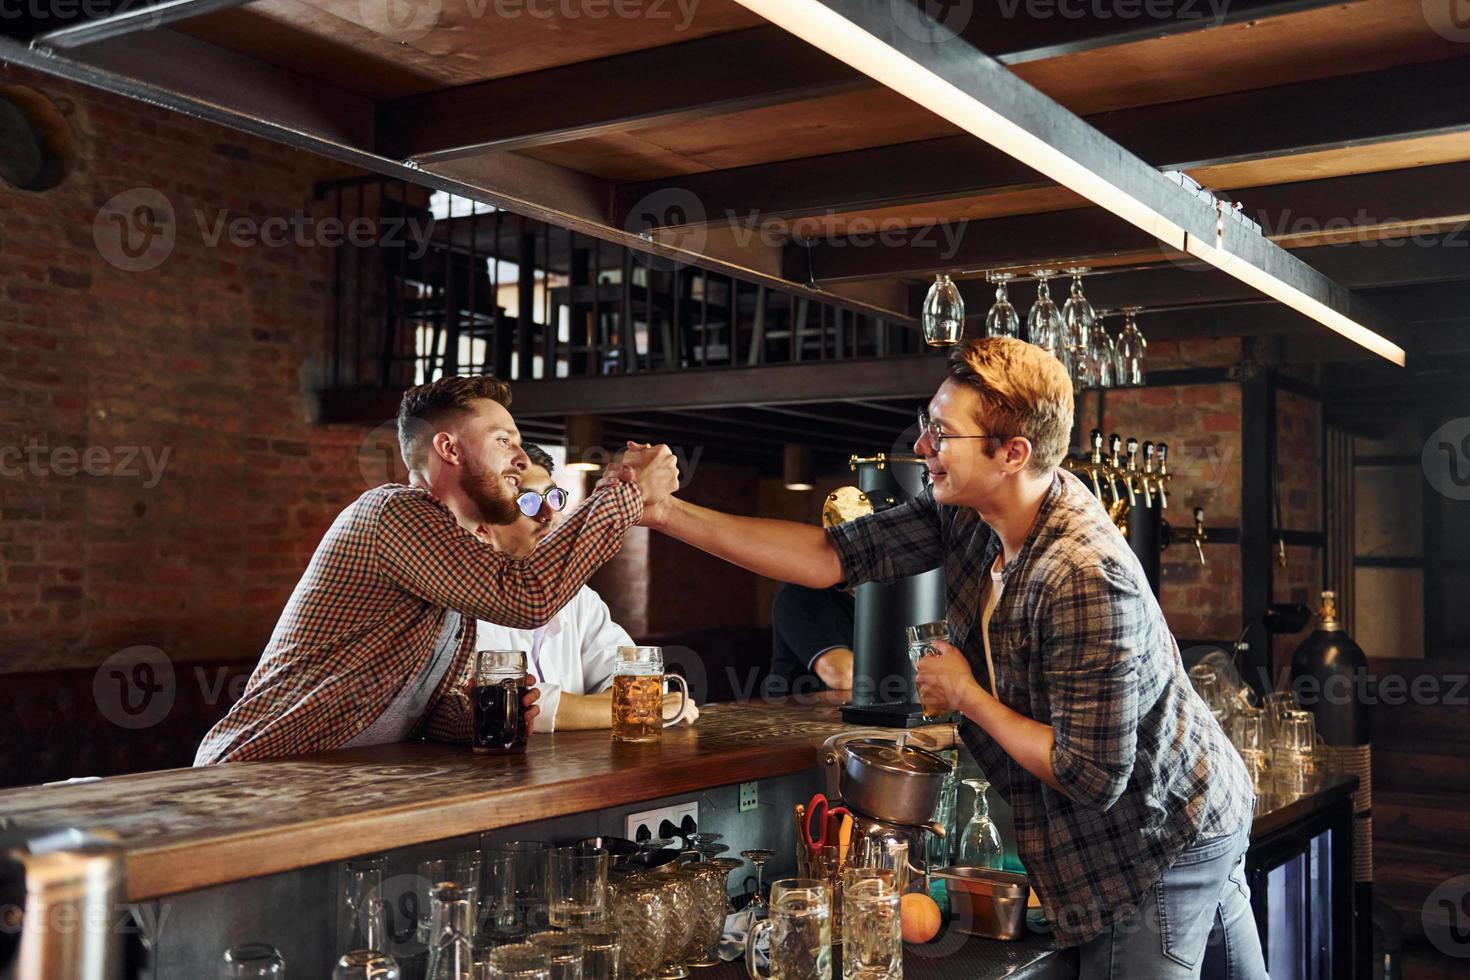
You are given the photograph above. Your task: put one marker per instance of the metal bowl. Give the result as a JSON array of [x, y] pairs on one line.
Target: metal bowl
[[986, 902], [889, 780]]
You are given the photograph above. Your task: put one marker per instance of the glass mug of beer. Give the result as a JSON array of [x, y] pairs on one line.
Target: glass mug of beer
[[498, 694], [920, 637], [638, 695]]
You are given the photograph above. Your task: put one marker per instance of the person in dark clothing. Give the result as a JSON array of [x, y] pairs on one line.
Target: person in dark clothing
[[811, 641]]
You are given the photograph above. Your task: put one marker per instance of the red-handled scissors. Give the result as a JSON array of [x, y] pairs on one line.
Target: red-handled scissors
[[819, 810]]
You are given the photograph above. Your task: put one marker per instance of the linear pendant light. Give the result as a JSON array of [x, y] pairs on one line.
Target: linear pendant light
[[949, 77]]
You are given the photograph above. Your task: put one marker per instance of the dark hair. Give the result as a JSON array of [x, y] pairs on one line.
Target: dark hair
[[424, 407], [539, 457]]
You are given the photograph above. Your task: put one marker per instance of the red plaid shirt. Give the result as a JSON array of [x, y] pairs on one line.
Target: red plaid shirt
[[363, 620]]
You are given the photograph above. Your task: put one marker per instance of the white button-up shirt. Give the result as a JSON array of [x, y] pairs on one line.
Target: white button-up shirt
[[574, 653]]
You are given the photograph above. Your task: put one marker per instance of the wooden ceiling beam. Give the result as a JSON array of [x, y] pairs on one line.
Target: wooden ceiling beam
[[725, 73], [1348, 113], [1360, 208]]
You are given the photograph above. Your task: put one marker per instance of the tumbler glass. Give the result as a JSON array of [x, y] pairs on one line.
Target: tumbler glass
[[921, 638], [518, 961], [463, 870], [518, 882], [601, 956], [366, 964], [362, 921], [564, 952], [576, 886]]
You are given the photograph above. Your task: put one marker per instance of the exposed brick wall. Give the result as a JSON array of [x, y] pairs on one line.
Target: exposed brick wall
[[1299, 456], [211, 358]]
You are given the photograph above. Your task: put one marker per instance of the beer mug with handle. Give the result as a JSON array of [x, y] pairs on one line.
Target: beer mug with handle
[[800, 927], [638, 695]]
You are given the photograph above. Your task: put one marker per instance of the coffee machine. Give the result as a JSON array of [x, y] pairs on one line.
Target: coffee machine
[[883, 680]]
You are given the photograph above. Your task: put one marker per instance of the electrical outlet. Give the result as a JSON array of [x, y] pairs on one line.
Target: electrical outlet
[[646, 823], [749, 797]]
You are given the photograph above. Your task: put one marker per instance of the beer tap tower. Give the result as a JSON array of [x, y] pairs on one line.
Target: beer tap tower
[[1135, 494]]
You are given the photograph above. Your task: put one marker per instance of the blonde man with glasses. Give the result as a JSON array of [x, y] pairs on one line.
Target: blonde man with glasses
[[1132, 810]]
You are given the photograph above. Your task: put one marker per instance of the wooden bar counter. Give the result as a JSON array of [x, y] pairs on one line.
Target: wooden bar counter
[[185, 829]]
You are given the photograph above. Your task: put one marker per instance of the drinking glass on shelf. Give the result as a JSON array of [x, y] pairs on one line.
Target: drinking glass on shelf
[[1102, 353], [252, 961], [1078, 318], [464, 870], [758, 856], [873, 944], [638, 694], [800, 927], [1298, 738], [451, 933], [576, 886], [1275, 705], [943, 314], [1206, 684], [517, 881], [601, 956], [1248, 729], [679, 898], [727, 865], [641, 921], [1044, 326], [980, 843], [708, 912], [518, 961], [564, 952], [362, 921], [366, 964], [826, 864], [1132, 350], [921, 638], [1002, 320]]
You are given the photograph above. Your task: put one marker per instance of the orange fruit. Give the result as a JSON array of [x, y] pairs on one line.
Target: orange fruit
[[920, 916]]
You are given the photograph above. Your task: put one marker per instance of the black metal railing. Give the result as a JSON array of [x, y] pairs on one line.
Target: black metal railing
[[438, 285]]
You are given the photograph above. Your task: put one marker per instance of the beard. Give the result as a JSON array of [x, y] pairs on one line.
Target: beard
[[490, 494]]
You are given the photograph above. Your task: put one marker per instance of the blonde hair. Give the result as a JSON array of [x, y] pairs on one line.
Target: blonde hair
[[1024, 391]]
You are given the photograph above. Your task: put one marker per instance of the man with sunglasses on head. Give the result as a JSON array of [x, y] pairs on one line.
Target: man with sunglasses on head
[[376, 643], [572, 655], [1132, 809]]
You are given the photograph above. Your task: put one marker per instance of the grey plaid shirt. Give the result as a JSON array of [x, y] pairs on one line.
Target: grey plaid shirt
[[1080, 644]]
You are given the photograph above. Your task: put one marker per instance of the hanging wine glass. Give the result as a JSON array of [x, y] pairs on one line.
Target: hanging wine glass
[[1101, 354], [1044, 326], [1078, 318], [1002, 320], [1131, 349], [944, 313]]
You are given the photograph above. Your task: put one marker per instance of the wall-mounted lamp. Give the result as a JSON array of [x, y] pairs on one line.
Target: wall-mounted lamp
[[585, 452], [797, 467]]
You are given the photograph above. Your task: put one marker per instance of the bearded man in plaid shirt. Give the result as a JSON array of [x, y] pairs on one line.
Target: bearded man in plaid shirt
[[1132, 809], [376, 642]]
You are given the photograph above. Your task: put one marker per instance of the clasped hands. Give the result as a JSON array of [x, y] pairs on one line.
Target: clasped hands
[[654, 470]]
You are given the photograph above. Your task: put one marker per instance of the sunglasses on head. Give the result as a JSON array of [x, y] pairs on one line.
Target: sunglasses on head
[[531, 501]]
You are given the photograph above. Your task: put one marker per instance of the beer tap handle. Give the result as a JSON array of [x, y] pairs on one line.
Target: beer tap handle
[[1150, 484], [1097, 446], [1115, 464], [1199, 537], [1163, 453], [1132, 472]]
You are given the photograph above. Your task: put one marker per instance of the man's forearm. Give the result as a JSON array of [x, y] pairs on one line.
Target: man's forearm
[[782, 550], [583, 712], [1024, 739]]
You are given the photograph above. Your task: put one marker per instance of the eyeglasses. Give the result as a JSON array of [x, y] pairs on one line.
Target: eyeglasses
[[937, 438], [531, 501]]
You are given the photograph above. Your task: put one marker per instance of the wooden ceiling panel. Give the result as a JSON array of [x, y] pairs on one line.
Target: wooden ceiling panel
[[1316, 43], [854, 120], [394, 48]]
